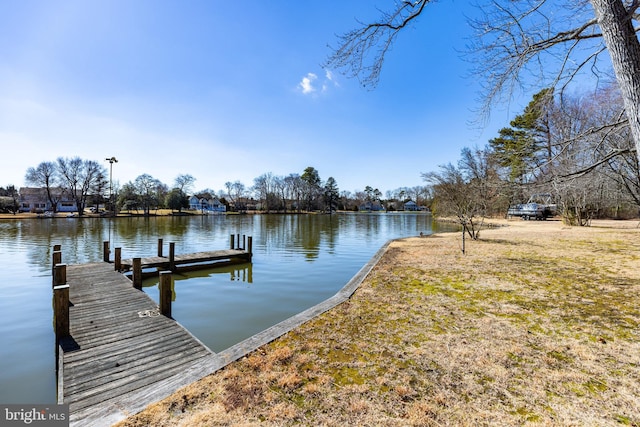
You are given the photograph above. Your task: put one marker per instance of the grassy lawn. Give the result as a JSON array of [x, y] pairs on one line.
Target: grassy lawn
[[538, 323]]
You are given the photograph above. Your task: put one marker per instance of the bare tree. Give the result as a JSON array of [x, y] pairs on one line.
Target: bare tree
[[519, 43], [280, 189], [623, 169], [82, 178], [418, 194], [178, 197], [236, 193], [184, 183], [462, 191], [346, 200], [150, 192], [263, 188], [294, 189], [480, 168], [229, 194], [45, 175], [592, 169]]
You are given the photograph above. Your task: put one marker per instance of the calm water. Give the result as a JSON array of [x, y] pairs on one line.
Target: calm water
[[299, 260]]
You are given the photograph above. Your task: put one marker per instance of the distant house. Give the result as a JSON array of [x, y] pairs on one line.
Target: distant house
[[36, 200], [371, 207], [411, 206], [206, 203]]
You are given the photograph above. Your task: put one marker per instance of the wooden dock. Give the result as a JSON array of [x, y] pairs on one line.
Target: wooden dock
[[117, 344], [117, 355]]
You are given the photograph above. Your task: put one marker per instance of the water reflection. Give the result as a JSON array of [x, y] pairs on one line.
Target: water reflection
[[306, 235], [232, 273], [299, 260]]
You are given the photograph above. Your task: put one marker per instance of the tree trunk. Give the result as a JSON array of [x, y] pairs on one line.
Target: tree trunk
[[624, 50]]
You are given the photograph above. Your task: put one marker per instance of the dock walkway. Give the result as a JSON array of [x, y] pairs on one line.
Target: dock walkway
[[211, 257], [118, 345]]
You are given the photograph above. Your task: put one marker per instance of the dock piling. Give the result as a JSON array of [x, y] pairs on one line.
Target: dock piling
[[172, 256], [105, 251], [60, 301], [117, 260], [160, 247], [137, 273], [165, 293], [56, 258], [59, 275], [61, 310], [233, 242]]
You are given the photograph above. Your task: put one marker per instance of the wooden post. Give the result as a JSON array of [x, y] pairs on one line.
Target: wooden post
[[464, 226], [56, 259], [232, 246], [59, 275], [105, 251], [159, 247], [244, 242], [117, 259], [165, 293], [250, 247], [61, 311], [172, 256], [238, 247], [137, 273], [57, 248]]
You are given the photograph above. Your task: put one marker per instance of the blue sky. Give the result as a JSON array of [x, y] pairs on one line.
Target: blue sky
[[227, 90]]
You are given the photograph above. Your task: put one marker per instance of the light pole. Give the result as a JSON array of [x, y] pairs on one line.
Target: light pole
[[111, 161]]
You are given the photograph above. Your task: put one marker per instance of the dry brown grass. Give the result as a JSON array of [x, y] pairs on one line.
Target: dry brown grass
[[538, 323]]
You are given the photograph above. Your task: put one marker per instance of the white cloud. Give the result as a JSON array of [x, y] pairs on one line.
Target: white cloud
[[329, 75], [310, 84], [306, 85], [329, 80]]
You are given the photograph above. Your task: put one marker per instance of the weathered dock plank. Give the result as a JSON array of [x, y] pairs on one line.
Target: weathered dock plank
[[118, 343]]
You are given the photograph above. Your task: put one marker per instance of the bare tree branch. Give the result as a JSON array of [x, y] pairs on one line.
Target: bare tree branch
[[511, 36], [605, 159], [362, 51]]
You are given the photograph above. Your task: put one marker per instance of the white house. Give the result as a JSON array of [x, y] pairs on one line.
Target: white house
[[36, 200], [206, 203]]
